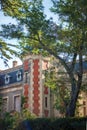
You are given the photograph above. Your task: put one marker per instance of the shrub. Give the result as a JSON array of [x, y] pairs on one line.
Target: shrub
[[11, 120], [17, 121], [55, 124]]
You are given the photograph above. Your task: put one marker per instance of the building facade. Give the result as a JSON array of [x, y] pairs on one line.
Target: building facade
[[27, 80]]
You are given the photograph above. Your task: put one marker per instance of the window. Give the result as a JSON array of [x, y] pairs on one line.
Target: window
[[84, 111], [46, 102], [84, 108], [5, 105], [19, 76], [26, 77], [7, 79], [17, 103], [29, 67], [84, 102]]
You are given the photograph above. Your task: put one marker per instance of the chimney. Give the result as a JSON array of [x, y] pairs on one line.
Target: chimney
[[14, 63]]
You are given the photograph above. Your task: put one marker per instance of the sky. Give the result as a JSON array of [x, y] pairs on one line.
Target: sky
[[6, 20], [48, 4]]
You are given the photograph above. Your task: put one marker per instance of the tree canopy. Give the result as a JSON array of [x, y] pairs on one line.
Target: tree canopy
[[66, 40], [7, 50]]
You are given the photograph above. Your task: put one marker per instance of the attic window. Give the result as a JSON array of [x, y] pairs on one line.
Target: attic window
[[19, 76], [7, 79]]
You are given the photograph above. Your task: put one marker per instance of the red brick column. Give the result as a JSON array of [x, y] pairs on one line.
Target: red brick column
[[36, 98], [26, 65]]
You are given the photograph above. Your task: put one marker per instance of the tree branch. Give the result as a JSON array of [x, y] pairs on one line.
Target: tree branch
[[58, 57]]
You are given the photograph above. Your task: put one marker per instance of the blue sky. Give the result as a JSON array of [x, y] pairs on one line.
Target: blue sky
[[5, 19], [48, 4]]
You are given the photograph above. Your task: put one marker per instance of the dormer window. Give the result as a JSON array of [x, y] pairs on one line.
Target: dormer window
[[7, 79], [19, 76]]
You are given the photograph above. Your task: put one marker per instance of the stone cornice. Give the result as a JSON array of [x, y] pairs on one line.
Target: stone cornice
[[11, 85]]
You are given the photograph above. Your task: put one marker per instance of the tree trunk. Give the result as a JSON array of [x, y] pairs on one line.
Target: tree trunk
[[75, 87], [70, 111]]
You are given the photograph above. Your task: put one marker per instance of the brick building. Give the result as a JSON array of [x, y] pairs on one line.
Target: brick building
[[28, 80]]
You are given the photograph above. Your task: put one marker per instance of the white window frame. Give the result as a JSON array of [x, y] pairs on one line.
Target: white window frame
[[14, 101], [19, 77], [7, 79]]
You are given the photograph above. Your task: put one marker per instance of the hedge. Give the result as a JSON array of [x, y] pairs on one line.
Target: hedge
[[54, 124]]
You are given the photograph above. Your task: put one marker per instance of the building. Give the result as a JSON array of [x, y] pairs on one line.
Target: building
[[28, 80]]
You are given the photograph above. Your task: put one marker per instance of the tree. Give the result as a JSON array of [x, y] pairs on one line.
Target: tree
[[73, 14], [7, 50], [66, 42], [57, 80]]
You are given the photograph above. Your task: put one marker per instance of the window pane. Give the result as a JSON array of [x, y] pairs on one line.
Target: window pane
[[17, 103]]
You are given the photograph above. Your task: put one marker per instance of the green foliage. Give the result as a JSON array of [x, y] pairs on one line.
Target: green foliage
[[72, 35], [57, 81], [55, 124], [8, 7], [7, 50], [15, 121], [26, 114], [10, 121], [73, 15], [51, 79]]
